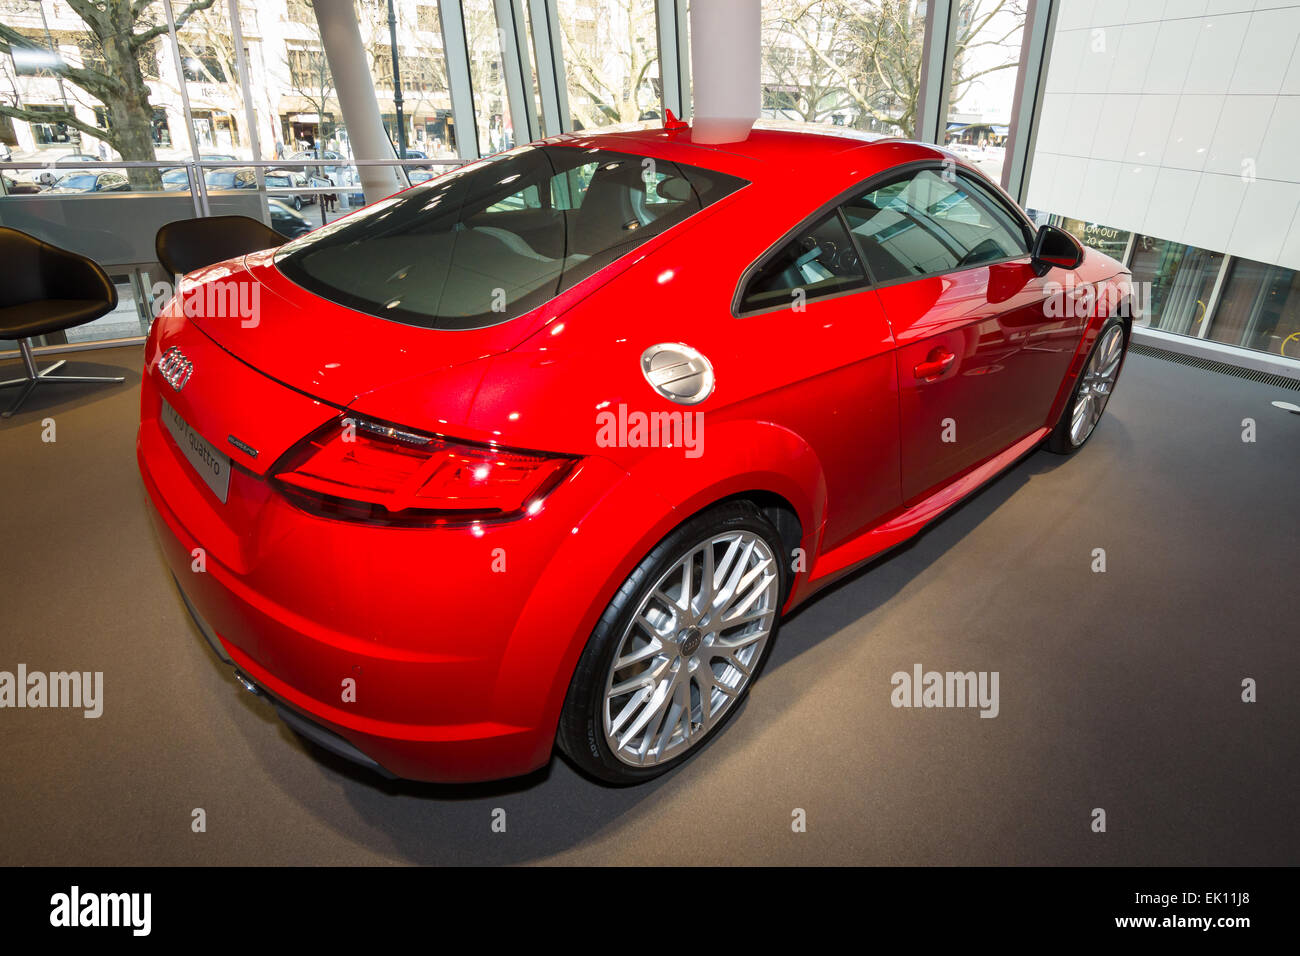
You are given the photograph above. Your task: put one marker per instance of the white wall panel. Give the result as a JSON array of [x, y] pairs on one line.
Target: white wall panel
[[1177, 119], [1114, 124], [1151, 123], [1212, 212], [1135, 44], [1267, 211], [1266, 51]]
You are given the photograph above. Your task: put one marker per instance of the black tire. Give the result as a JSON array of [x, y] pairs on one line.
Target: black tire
[[297, 202], [581, 733], [1059, 441]]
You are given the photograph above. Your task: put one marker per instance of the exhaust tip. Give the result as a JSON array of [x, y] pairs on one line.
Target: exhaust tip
[[246, 682]]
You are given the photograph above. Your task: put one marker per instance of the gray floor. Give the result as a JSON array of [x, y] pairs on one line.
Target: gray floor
[[1118, 690]]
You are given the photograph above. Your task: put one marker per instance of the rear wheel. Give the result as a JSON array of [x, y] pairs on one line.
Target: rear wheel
[[677, 648], [1092, 391]]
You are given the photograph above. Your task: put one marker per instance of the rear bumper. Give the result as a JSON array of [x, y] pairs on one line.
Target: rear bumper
[[299, 723], [426, 650]]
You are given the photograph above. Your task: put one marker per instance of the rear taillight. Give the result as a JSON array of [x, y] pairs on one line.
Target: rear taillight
[[360, 470]]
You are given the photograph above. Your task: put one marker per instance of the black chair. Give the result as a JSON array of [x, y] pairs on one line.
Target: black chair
[[47, 289], [188, 244]]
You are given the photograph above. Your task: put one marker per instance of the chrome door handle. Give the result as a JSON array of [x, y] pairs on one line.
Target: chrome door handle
[[936, 363]]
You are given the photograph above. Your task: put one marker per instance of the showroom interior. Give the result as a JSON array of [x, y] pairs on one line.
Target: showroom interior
[[1162, 133]]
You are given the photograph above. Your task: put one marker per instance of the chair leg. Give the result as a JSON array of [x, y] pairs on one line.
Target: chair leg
[[22, 397], [82, 378], [37, 376]]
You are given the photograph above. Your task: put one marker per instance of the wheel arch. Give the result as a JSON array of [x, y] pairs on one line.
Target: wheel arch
[[1118, 289], [654, 498]]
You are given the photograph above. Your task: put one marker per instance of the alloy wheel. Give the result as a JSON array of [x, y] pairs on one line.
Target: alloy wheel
[[691, 648], [1097, 385]]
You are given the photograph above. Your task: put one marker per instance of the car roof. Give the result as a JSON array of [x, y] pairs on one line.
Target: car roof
[[771, 148]]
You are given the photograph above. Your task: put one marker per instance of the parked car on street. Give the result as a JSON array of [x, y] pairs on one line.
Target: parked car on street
[[21, 187], [48, 176], [416, 154], [286, 179], [244, 177], [286, 220], [92, 181], [176, 179], [332, 170]]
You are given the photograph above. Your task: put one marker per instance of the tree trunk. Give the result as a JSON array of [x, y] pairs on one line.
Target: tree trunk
[[130, 113]]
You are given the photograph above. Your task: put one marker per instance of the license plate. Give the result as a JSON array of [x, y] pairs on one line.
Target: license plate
[[213, 466]]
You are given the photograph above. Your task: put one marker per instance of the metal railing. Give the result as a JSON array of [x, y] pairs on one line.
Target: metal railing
[[197, 184]]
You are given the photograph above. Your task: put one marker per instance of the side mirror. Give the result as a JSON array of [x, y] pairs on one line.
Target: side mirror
[[1055, 247]]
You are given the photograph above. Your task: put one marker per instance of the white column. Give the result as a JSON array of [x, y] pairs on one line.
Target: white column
[[341, 37], [725, 48], [456, 49], [936, 71]]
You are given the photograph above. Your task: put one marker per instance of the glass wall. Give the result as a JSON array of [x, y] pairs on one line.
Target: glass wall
[[985, 60], [76, 88], [80, 89], [487, 76], [1179, 279], [1094, 235], [611, 61], [1257, 308], [1260, 309], [854, 63]]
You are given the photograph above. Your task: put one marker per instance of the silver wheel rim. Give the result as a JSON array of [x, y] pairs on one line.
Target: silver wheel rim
[[1097, 385], [691, 648]]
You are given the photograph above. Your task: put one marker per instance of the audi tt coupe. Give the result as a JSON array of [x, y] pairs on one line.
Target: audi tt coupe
[[539, 451]]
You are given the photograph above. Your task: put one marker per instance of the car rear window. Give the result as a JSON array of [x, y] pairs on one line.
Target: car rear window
[[480, 246]]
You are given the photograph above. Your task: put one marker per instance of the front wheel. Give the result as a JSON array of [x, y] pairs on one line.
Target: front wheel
[[1092, 391], [677, 648]]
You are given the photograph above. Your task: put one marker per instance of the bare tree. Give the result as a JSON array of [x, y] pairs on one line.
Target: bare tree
[[609, 60], [208, 51], [121, 32], [863, 57]]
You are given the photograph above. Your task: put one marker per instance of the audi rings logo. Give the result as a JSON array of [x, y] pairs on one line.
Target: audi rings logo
[[176, 368]]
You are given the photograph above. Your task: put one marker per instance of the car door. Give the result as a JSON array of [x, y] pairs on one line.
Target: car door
[[825, 334], [979, 352]]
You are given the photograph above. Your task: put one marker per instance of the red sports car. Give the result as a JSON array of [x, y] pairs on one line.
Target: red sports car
[[541, 450]]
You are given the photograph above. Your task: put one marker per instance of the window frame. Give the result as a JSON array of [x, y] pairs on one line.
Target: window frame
[[876, 181]]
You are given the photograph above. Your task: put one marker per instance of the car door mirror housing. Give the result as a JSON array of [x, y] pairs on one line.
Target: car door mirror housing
[[1054, 247]]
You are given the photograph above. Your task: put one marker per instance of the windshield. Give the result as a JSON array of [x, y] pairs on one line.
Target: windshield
[[277, 180], [77, 181], [486, 244], [220, 179]]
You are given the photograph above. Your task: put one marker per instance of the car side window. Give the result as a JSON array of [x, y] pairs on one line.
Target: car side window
[[529, 197], [570, 187], [928, 223], [819, 261], [996, 207]]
